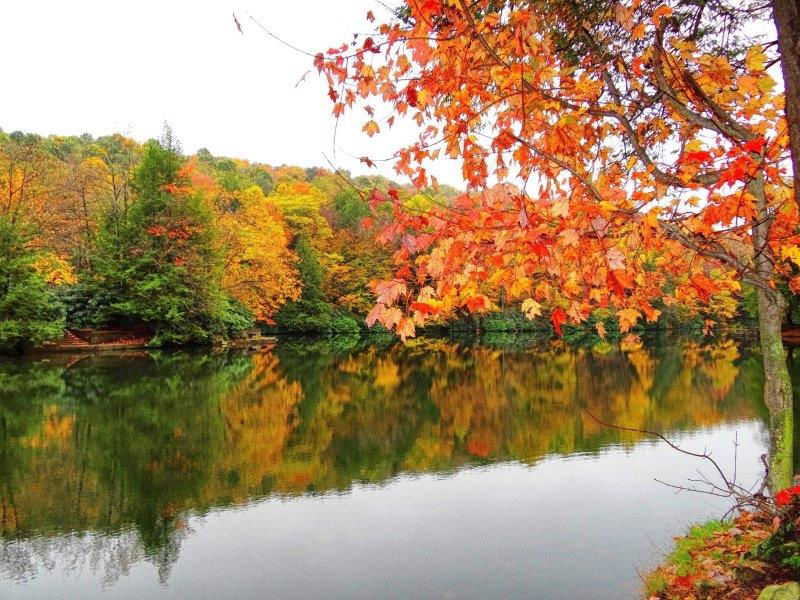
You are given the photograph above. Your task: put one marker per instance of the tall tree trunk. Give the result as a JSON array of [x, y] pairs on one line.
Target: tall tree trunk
[[777, 382], [777, 390], [786, 14]]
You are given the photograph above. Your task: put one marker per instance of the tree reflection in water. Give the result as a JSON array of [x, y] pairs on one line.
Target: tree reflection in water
[[103, 458]]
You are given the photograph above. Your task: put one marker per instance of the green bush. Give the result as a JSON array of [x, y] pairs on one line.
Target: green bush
[[313, 316], [508, 320]]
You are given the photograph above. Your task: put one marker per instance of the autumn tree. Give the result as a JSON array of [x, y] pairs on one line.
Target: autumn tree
[[25, 175], [643, 144], [302, 205], [160, 265], [258, 266]]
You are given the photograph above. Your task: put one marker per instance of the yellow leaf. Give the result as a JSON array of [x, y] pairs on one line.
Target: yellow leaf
[[766, 83], [792, 253], [521, 285], [755, 59], [371, 128], [531, 308], [627, 318]]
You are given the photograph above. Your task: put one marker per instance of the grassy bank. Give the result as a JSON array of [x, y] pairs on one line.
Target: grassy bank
[[719, 559]]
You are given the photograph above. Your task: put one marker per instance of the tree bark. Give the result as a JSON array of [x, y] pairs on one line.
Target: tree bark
[[777, 390], [777, 381], [786, 14]]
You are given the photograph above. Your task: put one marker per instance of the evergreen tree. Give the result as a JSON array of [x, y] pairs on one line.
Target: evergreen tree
[[310, 270], [29, 311], [311, 313], [160, 266]]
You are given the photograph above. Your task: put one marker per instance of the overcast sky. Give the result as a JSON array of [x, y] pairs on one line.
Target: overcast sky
[[101, 66]]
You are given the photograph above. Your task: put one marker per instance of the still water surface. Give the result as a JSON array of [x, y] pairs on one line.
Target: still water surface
[[345, 468]]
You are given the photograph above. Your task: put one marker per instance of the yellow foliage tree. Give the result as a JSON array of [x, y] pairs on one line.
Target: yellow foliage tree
[[259, 268]]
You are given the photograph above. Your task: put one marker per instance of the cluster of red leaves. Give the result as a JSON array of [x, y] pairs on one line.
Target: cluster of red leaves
[[181, 232], [788, 496], [156, 230], [486, 85]]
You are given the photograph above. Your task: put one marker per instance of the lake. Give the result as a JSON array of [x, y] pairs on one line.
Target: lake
[[364, 468]]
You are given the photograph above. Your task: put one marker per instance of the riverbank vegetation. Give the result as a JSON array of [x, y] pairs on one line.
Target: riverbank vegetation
[[737, 559]]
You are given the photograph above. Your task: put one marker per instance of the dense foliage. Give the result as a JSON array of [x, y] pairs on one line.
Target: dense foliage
[[195, 248], [618, 155], [29, 311]]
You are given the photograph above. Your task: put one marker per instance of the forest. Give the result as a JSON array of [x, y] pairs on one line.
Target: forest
[[109, 232]]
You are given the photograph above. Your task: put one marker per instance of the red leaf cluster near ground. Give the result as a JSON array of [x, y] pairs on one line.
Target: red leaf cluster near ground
[[717, 561]]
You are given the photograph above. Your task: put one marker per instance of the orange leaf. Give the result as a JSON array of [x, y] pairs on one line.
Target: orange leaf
[[661, 12], [421, 307], [476, 303], [371, 128], [615, 285]]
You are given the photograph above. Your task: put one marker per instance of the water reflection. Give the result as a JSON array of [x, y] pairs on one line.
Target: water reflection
[[104, 458]]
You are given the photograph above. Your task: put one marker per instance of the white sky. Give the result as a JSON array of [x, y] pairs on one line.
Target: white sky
[[101, 66]]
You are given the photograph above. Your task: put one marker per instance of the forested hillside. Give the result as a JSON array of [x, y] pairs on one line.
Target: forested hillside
[[108, 232]]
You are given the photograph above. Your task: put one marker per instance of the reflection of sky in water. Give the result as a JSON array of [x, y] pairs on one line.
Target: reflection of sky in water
[[275, 453], [566, 528]]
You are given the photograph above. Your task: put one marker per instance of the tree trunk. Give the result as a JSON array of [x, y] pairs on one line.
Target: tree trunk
[[777, 382], [777, 390], [786, 14]]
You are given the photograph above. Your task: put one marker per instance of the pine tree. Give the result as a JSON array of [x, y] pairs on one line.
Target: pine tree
[[29, 311]]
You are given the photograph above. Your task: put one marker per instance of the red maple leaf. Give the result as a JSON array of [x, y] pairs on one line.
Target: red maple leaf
[[559, 317], [755, 145], [783, 498], [698, 157]]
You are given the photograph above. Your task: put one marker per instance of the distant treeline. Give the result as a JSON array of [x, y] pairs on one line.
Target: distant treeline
[[107, 232]]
